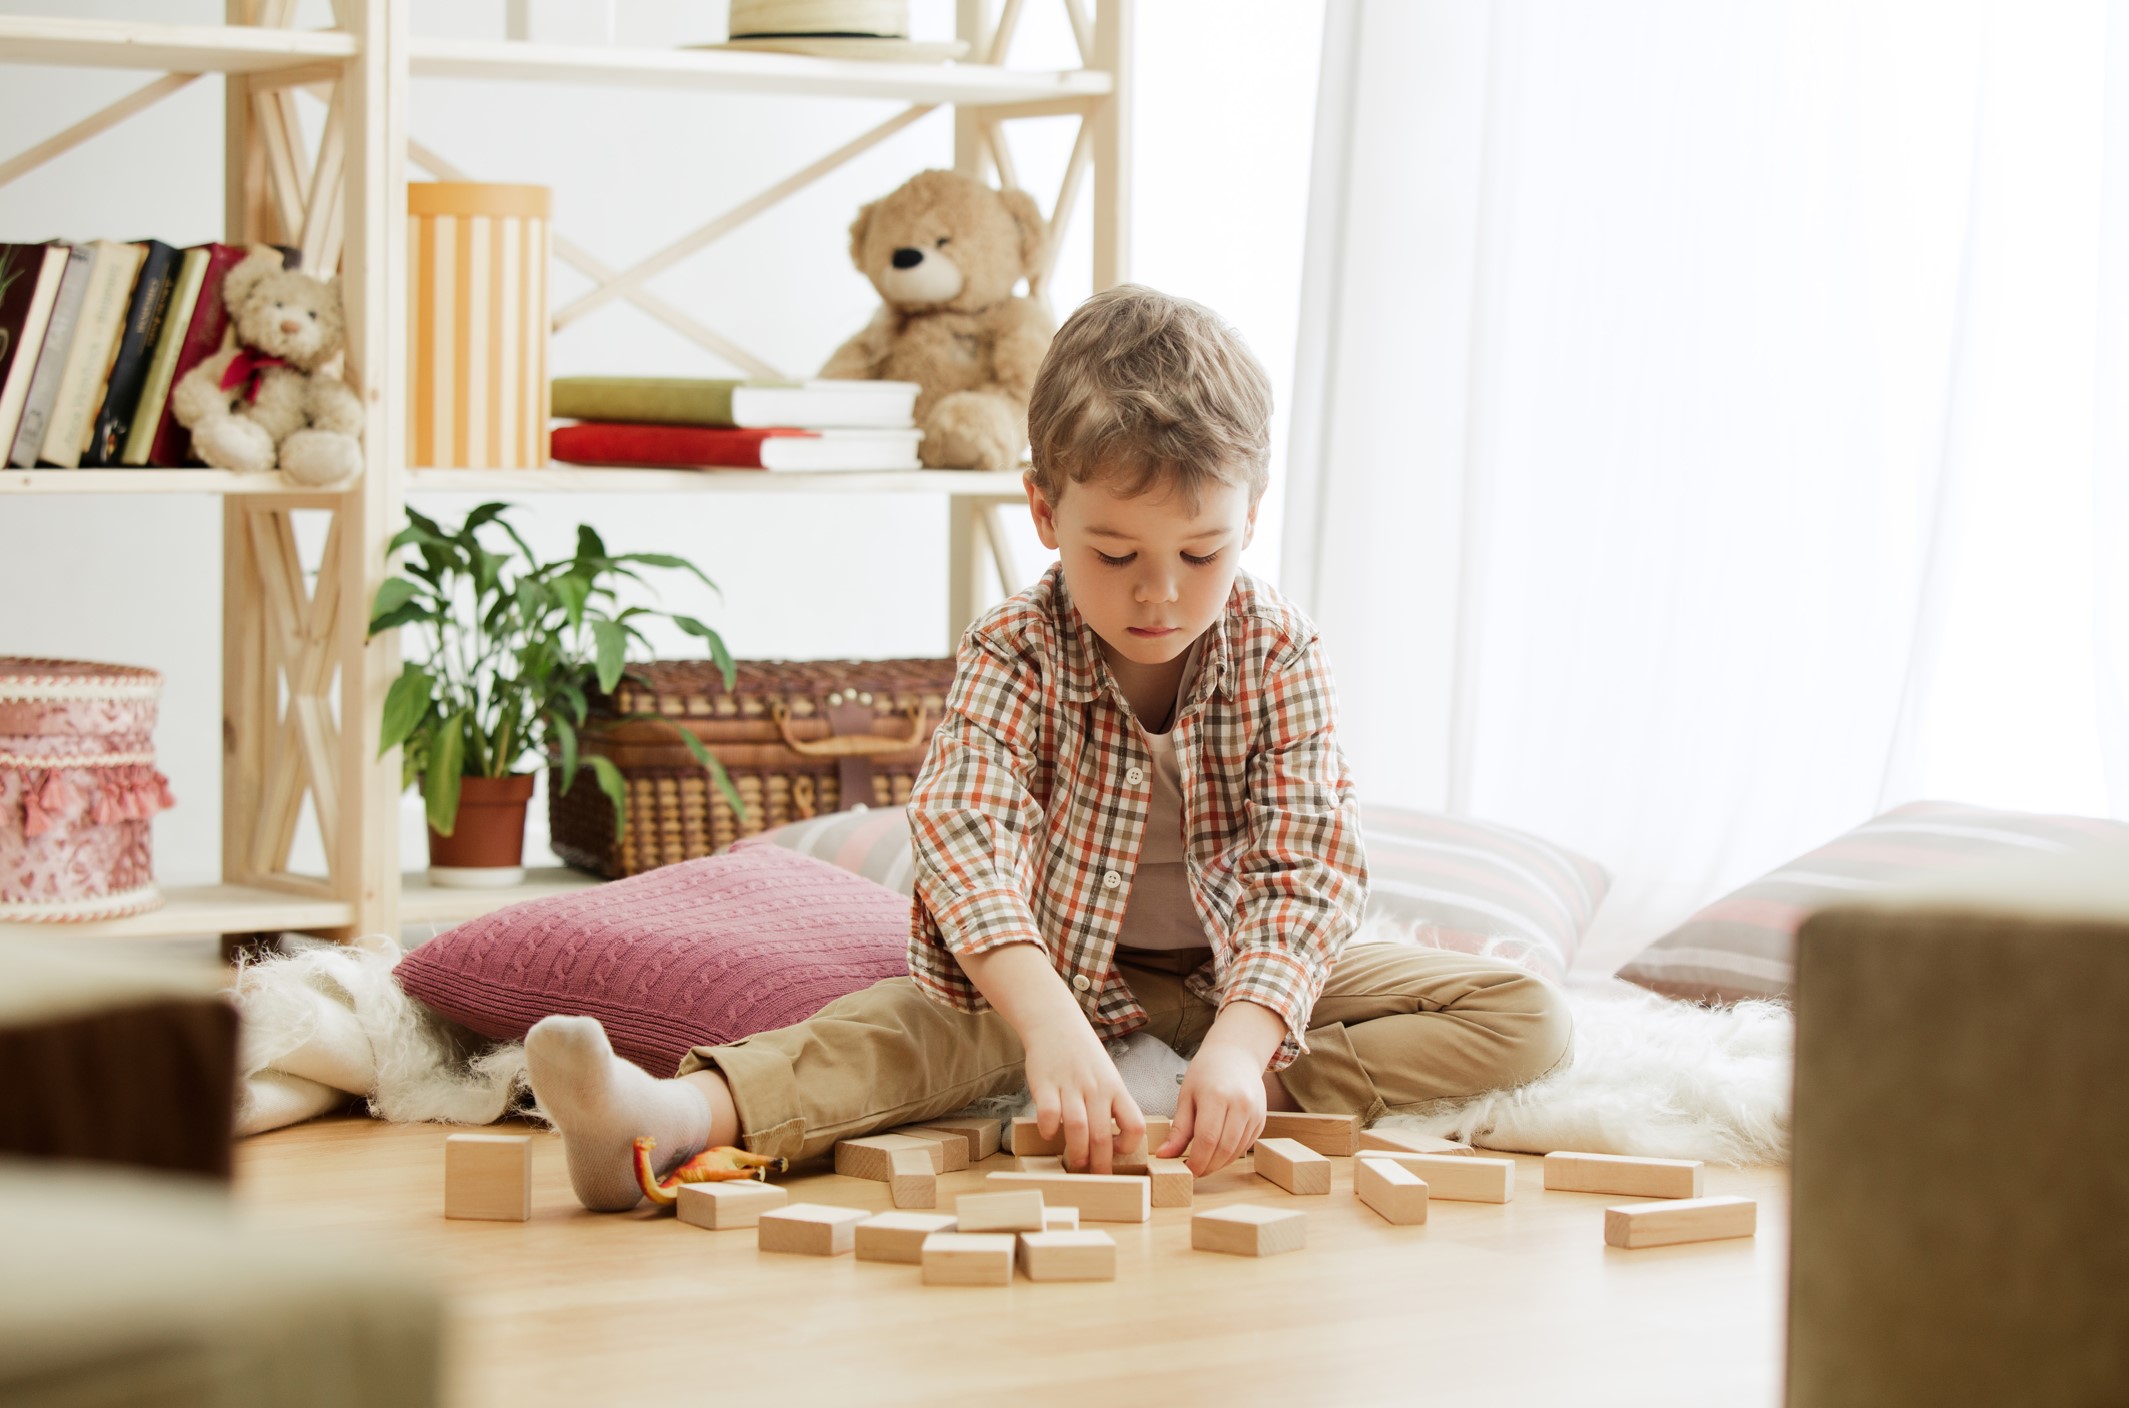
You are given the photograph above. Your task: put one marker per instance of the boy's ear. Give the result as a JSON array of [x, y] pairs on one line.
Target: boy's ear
[[1040, 510], [1249, 529]]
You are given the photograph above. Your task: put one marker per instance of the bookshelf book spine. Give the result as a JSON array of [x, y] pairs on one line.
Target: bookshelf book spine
[[640, 399], [204, 337], [29, 282], [103, 315], [52, 357], [155, 391], [129, 372]]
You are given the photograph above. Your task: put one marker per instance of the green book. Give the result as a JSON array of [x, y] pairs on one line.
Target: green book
[[807, 405], [155, 392]]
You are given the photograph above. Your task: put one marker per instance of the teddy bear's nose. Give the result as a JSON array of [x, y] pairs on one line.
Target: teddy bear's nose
[[290, 325], [907, 258]]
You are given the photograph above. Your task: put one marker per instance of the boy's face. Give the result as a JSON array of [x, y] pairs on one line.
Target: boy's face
[[1150, 574]]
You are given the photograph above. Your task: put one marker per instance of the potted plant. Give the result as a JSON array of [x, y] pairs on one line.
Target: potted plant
[[516, 650]]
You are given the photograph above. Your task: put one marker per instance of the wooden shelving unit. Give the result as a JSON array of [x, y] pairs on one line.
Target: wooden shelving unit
[[303, 690]]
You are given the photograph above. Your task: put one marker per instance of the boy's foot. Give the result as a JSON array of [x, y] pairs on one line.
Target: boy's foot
[[601, 1103]]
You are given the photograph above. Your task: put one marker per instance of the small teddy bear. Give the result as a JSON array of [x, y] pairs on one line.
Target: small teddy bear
[[945, 251], [265, 400]]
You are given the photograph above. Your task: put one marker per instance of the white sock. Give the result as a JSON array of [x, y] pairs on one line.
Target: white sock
[[602, 1104], [1152, 1071]]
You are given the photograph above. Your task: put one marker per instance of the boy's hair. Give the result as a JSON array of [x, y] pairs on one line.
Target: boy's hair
[[1152, 392]]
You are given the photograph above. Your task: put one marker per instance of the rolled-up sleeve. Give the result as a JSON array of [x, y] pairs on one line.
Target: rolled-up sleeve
[[973, 820], [1304, 877]]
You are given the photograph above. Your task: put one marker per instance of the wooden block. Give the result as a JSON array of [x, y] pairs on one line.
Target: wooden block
[[1045, 1163], [1335, 1135], [1629, 1177], [1111, 1197], [1247, 1230], [1173, 1183], [1060, 1219], [954, 1143], [1686, 1220], [1028, 1141], [968, 1259], [1407, 1143], [899, 1236], [1019, 1210], [983, 1135], [1157, 1127], [739, 1203], [1068, 1256], [810, 1229], [1293, 1166], [1390, 1188], [1459, 1178], [911, 1183], [488, 1177], [873, 1156]]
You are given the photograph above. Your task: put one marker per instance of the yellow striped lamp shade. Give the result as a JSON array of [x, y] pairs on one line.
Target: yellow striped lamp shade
[[477, 321]]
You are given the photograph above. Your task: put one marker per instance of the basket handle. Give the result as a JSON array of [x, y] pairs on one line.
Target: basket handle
[[853, 745]]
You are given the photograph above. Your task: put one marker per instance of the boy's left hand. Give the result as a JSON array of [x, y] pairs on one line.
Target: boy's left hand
[[1219, 1110]]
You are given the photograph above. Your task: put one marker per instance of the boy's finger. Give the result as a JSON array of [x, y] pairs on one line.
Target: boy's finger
[[1231, 1140], [1178, 1129], [1130, 1125], [1075, 1131], [1049, 1115], [1205, 1143]]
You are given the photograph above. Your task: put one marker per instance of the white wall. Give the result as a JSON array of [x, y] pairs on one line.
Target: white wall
[[1225, 94]]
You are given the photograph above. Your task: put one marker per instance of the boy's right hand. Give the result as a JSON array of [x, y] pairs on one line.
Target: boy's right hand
[[1076, 1088]]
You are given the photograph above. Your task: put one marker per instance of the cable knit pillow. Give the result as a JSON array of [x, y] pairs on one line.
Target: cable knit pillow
[[1436, 881], [694, 954]]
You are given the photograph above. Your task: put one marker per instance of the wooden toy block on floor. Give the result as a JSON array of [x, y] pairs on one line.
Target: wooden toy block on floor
[[911, 1182], [1019, 1210], [1041, 1163], [488, 1177], [1157, 1127], [1627, 1177], [954, 1144], [1405, 1142], [1030, 1142], [1459, 1178], [1335, 1135], [719, 1206], [1112, 1197], [1393, 1190], [899, 1236], [1293, 1166], [1173, 1183], [810, 1229], [968, 1259], [1248, 1230], [1686, 1220], [1060, 1219], [873, 1155], [1068, 1256], [981, 1135]]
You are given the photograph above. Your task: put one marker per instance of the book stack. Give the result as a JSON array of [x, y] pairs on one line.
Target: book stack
[[92, 338], [707, 423]]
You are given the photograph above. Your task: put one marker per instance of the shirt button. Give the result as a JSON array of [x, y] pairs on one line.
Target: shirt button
[[1081, 982], [1111, 881], [1135, 776]]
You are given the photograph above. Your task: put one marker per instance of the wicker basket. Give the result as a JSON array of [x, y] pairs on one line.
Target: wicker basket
[[798, 738]]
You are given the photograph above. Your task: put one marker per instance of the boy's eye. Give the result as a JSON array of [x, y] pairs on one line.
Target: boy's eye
[[1115, 561], [1205, 561]]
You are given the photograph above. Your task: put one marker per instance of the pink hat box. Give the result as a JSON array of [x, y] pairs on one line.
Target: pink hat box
[[78, 790]]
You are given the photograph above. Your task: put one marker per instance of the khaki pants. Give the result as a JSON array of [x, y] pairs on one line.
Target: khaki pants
[[1394, 1029]]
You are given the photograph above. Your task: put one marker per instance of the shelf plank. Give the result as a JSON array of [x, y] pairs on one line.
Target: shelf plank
[[170, 48], [423, 903], [738, 71], [569, 479], [153, 481], [190, 910]]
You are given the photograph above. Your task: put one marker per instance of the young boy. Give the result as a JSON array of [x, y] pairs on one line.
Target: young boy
[[1135, 818]]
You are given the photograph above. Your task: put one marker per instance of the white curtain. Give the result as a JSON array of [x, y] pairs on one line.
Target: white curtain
[[1712, 421]]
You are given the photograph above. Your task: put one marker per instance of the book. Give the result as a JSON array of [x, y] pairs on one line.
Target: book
[[162, 363], [813, 405], [136, 345], [206, 333], [52, 357], [29, 285], [666, 446], [103, 316]]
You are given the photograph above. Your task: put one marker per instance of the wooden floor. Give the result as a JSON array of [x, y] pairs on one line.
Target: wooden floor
[[1513, 1304]]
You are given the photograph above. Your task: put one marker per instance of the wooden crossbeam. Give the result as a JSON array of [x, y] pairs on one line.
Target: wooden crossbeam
[[1001, 553], [320, 240], [746, 210], [100, 121], [1001, 155], [301, 640], [1082, 31], [1067, 200], [287, 163], [1002, 37]]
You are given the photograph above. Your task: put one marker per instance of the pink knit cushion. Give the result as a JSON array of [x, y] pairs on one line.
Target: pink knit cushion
[[694, 954]]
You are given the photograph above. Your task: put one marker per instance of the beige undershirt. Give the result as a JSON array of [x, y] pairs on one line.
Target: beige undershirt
[[1160, 915]]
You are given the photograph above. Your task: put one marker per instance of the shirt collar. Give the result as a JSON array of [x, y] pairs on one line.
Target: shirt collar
[[1084, 675]]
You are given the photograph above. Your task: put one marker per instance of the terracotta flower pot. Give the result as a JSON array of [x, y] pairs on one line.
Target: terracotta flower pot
[[486, 848]]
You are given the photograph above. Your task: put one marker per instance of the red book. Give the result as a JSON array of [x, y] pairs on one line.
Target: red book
[[700, 446], [203, 338]]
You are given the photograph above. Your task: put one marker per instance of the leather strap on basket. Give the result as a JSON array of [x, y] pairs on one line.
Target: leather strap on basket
[[852, 743]]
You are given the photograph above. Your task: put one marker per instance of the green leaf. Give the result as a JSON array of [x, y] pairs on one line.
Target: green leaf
[[395, 593], [612, 641], [589, 544], [405, 704], [567, 733], [716, 645], [409, 612], [666, 559], [615, 787], [717, 773], [572, 592], [439, 782]]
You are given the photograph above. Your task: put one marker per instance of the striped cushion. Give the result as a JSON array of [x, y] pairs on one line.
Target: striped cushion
[[1744, 944], [1437, 881]]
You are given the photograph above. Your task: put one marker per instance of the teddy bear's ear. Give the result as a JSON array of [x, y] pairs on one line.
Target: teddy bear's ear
[[858, 229], [245, 276], [1034, 230]]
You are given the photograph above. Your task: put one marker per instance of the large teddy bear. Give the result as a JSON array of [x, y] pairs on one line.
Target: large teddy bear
[[945, 251], [265, 402]]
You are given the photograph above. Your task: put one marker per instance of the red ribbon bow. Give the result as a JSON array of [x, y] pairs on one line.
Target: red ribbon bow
[[249, 367]]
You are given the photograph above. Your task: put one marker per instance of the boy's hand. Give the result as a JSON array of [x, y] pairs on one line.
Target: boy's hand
[[1219, 1111], [1076, 1088]]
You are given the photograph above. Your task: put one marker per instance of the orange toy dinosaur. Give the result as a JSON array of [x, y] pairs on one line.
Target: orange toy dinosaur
[[710, 1166]]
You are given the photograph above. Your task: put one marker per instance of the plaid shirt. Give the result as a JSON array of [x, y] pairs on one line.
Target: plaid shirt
[[1031, 804]]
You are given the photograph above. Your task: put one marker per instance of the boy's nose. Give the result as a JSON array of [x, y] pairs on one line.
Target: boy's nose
[[1158, 587]]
